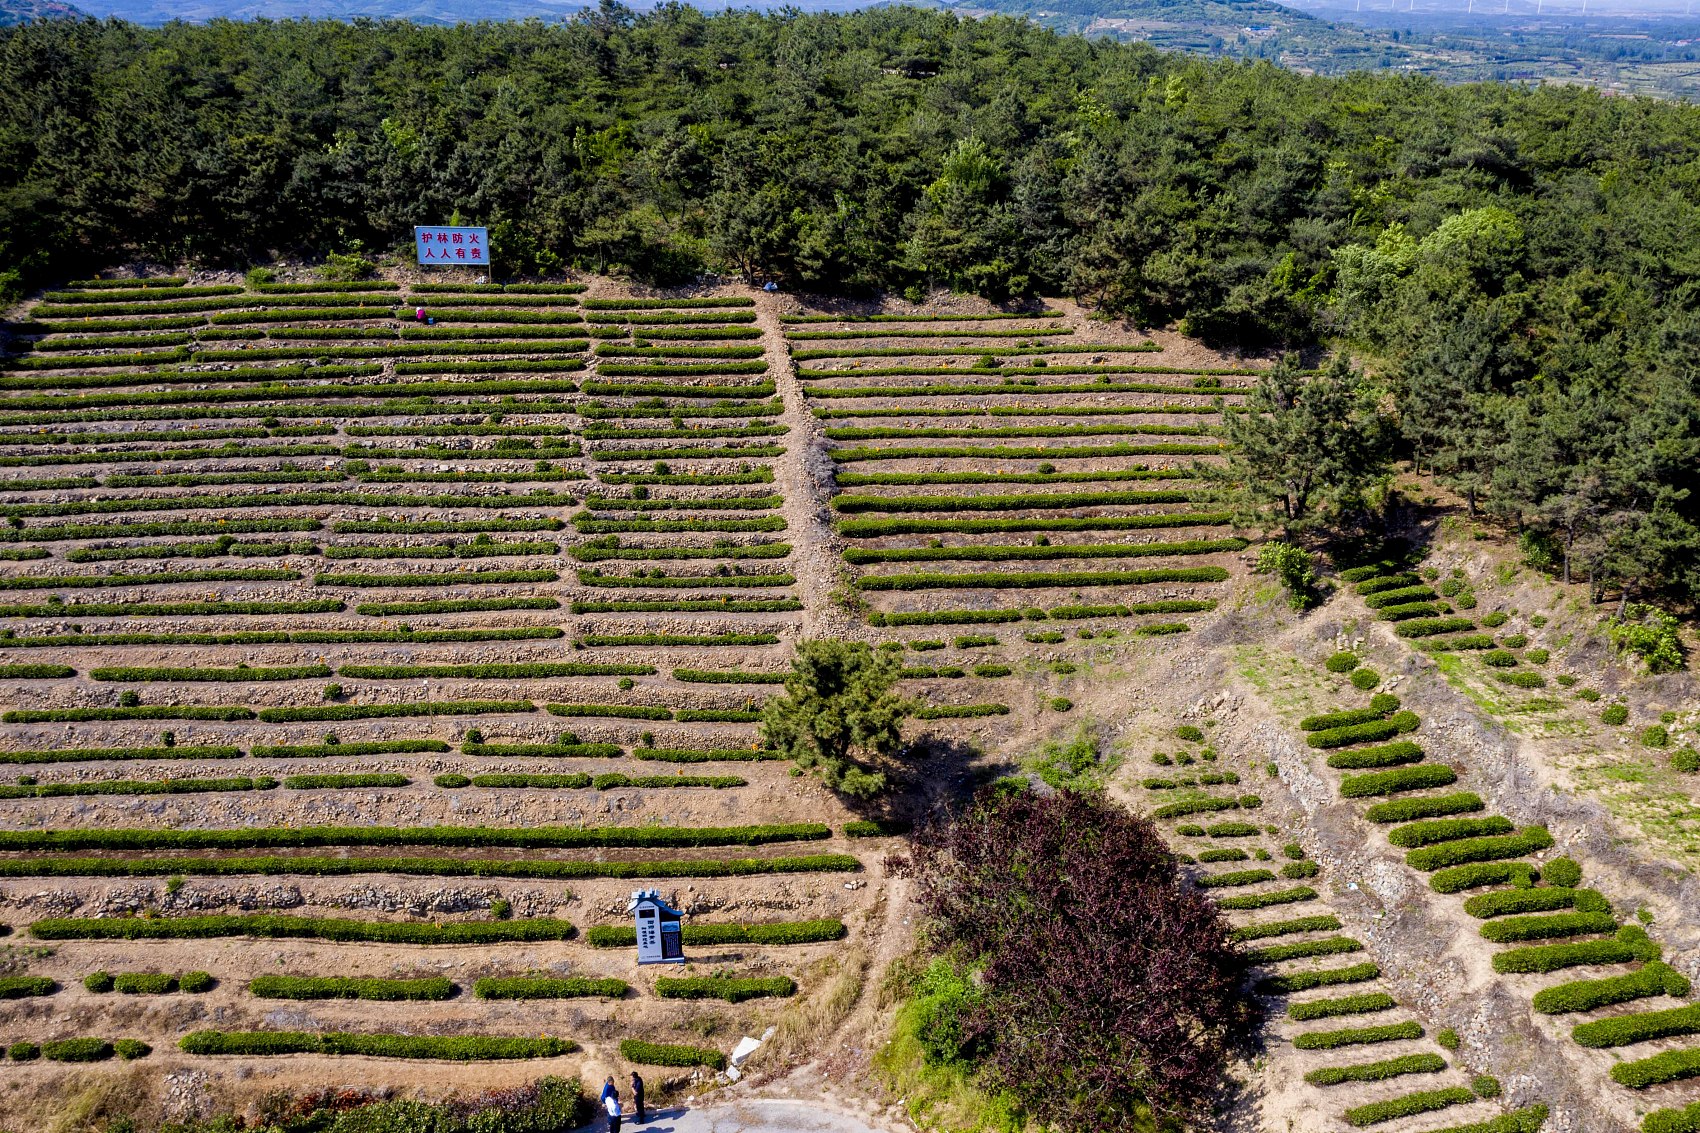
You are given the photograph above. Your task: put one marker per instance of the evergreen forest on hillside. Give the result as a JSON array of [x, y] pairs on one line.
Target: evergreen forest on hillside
[[1518, 265]]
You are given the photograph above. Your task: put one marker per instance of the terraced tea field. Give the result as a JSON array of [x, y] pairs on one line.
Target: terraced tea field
[[368, 644], [382, 657], [1017, 473]]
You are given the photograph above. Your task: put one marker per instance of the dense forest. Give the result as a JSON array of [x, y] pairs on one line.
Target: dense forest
[[1521, 265]]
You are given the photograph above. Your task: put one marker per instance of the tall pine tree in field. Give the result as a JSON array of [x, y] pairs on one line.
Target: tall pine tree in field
[[1307, 448], [1450, 409]]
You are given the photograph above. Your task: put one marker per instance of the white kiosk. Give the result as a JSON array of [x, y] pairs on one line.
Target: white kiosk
[[660, 939]]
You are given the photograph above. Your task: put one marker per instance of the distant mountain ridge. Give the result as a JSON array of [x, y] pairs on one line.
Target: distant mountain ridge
[[20, 11]]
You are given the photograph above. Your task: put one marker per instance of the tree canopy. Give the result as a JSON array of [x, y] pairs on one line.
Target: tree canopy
[[840, 712], [1519, 264], [1105, 986]]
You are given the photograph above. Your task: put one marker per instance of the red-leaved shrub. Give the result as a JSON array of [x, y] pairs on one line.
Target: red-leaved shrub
[[1107, 984]]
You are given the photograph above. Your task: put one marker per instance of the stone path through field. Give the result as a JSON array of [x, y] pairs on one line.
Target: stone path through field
[[751, 1116], [815, 560]]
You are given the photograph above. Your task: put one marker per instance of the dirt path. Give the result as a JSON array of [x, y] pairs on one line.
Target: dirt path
[[805, 477]]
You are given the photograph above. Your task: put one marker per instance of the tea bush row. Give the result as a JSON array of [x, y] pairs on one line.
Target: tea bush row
[[458, 1048]]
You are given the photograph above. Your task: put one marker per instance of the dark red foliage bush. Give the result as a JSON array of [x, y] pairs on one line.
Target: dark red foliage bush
[[1108, 984]]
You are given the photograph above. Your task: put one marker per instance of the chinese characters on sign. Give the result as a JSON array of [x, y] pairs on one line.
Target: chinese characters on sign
[[462, 246]]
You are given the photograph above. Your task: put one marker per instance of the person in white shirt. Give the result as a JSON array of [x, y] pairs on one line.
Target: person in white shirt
[[612, 1104]]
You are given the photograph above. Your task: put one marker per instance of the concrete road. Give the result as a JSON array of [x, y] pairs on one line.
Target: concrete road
[[756, 1115]]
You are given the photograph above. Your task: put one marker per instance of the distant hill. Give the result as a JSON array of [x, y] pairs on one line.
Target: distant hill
[[19, 11], [420, 11], [1647, 52]]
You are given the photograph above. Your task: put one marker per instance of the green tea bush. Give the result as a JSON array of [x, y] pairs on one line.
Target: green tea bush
[[1201, 805], [1387, 755], [23, 1052], [332, 987], [561, 748], [1529, 840], [1268, 900], [373, 747], [1382, 599], [460, 1048], [1357, 1036], [534, 837], [876, 528], [1364, 1004], [851, 504], [1624, 1030], [144, 983], [325, 866], [704, 755], [1651, 634], [1430, 626], [1415, 778], [1369, 732], [610, 781], [662, 1054], [131, 1049], [454, 606], [1685, 1120], [497, 672], [544, 987], [1379, 707], [1408, 1106], [961, 711], [732, 990], [24, 987], [1502, 901], [77, 1050], [147, 712], [1342, 662], [1004, 581], [1630, 944], [277, 926], [1409, 810], [1330, 946], [1365, 679], [337, 782], [1656, 978], [1328, 977], [859, 556], [374, 711], [728, 676], [1236, 878], [623, 711], [1668, 1067], [1447, 830], [453, 578], [1655, 736], [1474, 876], [777, 933], [138, 787], [1511, 929], [35, 672], [140, 673], [1379, 583]]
